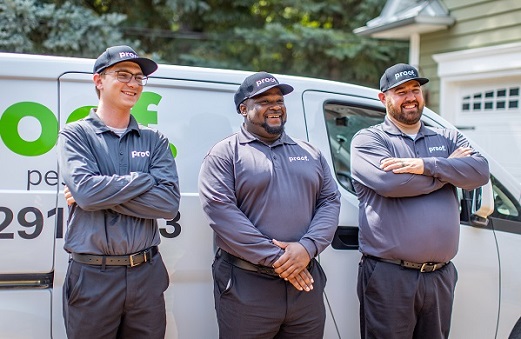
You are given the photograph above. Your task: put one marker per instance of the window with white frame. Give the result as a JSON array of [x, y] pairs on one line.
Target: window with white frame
[[502, 99]]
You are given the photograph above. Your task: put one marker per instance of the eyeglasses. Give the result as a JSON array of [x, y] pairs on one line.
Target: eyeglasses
[[126, 77]]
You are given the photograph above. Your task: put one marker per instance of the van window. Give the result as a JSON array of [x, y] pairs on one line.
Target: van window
[[342, 123], [505, 206]]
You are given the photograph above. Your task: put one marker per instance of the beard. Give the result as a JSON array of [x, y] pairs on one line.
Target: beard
[[274, 130], [401, 116]]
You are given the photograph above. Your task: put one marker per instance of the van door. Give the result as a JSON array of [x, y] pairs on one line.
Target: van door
[[332, 121], [28, 182], [506, 221]]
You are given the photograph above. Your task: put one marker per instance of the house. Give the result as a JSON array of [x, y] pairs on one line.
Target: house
[[471, 52]]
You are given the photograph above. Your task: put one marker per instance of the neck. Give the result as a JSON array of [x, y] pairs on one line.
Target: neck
[[267, 140], [113, 117]]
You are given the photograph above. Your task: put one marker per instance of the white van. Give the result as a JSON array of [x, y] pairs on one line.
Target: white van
[[194, 108]]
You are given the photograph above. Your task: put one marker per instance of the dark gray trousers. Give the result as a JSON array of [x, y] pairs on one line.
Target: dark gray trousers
[[115, 302], [260, 306], [402, 303]]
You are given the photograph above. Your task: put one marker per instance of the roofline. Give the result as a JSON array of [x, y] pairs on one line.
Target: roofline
[[442, 22]]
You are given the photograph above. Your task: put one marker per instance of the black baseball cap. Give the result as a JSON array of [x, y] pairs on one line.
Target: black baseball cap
[[256, 84], [398, 74], [115, 54]]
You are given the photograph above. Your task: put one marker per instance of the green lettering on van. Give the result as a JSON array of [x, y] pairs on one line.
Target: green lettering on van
[[9, 128], [140, 111], [12, 116], [79, 113]]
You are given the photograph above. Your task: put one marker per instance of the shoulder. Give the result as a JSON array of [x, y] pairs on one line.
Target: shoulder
[[225, 146], [307, 146], [371, 132], [148, 131], [76, 127], [151, 134]]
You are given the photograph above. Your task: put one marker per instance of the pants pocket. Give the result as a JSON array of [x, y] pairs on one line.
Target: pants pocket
[[222, 276], [73, 281]]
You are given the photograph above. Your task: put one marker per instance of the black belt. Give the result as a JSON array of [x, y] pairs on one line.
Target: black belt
[[245, 265], [129, 260], [424, 268]]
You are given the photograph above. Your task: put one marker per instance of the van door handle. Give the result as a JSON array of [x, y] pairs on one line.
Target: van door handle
[[346, 238]]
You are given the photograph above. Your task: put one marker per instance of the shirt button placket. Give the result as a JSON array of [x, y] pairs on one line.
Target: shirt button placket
[[122, 161]]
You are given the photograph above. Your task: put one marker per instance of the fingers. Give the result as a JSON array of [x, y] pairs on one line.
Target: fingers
[[403, 165], [391, 164], [68, 196], [461, 152], [303, 281], [295, 258], [281, 244]]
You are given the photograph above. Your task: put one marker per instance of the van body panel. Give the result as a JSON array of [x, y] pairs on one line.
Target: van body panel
[[25, 314], [194, 108]]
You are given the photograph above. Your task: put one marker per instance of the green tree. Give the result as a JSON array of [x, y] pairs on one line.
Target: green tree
[[300, 37], [31, 26]]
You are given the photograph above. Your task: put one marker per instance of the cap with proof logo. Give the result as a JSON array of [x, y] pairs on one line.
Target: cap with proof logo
[[398, 74], [256, 84], [116, 54]]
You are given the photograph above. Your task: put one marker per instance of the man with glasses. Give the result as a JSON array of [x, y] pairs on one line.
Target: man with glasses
[[120, 177]]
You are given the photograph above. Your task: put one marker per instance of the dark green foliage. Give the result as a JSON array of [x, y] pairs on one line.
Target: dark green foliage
[[300, 37]]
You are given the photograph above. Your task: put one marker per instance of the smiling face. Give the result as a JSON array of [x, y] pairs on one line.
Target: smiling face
[[117, 94], [265, 115], [404, 103]]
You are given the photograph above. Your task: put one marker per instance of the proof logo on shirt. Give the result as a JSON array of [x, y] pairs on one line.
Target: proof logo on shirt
[[437, 149], [140, 154], [302, 158]]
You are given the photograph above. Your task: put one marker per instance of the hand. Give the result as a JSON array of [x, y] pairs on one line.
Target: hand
[[303, 281], [461, 152], [68, 196], [291, 266], [403, 165]]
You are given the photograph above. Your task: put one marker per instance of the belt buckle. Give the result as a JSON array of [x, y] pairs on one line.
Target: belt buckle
[[132, 260], [428, 267]]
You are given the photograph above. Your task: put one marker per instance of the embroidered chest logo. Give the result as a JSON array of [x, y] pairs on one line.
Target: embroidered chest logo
[[140, 154], [437, 149], [302, 158]]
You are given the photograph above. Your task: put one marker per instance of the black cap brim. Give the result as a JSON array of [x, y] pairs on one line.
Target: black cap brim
[[147, 66], [422, 82], [284, 88]]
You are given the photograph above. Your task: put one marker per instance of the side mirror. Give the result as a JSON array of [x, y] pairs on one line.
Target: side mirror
[[482, 205]]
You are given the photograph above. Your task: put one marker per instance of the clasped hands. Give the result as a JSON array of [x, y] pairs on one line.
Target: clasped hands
[[292, 265]]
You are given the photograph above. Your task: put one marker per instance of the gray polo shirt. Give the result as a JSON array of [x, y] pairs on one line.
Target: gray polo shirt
[[407, 216], [253, 192], [121, 185]]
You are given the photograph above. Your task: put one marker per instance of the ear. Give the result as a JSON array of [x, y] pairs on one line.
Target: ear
[[96, 78], [381, 96], [243, 109]]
